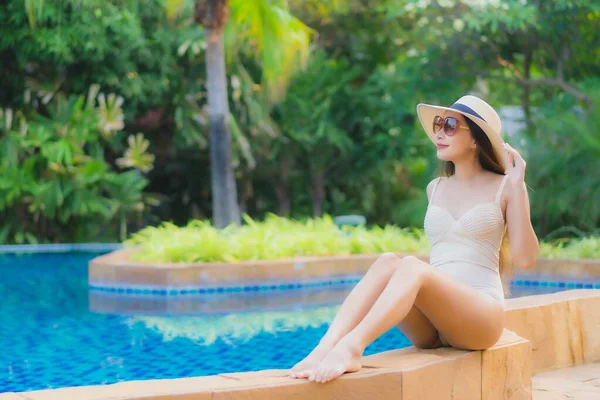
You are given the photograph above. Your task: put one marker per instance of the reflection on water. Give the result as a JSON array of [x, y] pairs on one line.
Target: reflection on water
[[236, 327], [240, 316], [217, 304]]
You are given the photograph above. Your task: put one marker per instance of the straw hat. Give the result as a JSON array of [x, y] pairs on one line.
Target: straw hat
[[477, 111]]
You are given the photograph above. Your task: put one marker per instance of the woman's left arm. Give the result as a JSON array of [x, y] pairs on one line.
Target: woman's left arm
[[524, 245]]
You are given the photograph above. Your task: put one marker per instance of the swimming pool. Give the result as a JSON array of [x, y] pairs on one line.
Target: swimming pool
[[55, 332]]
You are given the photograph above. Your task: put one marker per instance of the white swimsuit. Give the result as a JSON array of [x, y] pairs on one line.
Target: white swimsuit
[[468, 248]]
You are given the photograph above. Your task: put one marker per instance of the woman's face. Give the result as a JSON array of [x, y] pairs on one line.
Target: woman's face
[[456, 145]]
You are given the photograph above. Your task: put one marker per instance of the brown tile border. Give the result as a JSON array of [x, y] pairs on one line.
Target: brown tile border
[[116, 269], [563, 327], [398, 374]]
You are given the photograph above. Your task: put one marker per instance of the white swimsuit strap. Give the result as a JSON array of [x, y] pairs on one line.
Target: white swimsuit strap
[[499, 194], [437, 181]]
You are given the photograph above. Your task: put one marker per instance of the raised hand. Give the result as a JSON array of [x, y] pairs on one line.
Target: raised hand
[[516, 168]]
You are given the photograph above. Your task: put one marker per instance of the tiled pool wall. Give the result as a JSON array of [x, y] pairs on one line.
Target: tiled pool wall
[[343, 281], [59, 248], [119, 286]]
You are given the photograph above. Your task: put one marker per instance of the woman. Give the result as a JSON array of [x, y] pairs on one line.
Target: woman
[[457, 299]]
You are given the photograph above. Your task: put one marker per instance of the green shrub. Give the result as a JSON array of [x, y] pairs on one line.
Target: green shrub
[[57, 182], [585, 248], [278, 238], [275, 238]]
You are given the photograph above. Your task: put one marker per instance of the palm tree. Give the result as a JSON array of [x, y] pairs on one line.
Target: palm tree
[[279, 41], [213, 14], [265, 28]]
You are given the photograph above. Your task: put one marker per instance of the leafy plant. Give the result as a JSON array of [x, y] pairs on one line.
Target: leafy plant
[[585, 248], [274, 238], [564, 152], [55, 182]]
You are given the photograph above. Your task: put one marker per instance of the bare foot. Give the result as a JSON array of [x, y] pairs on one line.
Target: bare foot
[[310, 362], [342, 358]]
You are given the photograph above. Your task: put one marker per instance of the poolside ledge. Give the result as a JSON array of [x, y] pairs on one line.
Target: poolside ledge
[[502, 372], [556, 330]]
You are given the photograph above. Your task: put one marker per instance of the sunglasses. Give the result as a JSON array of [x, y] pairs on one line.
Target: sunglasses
[[448, 124]]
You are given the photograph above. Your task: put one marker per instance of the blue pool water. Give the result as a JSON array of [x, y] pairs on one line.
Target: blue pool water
[[55, 332]]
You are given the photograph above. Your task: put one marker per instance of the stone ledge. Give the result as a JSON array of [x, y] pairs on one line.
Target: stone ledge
[[116, 268], [563, 327], [581, 383], [441, 374]]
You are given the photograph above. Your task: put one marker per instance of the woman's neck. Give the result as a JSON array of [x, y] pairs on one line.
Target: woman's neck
[[467, 170]]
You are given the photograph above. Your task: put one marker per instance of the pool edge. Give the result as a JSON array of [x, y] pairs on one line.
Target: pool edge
[[569, 335]]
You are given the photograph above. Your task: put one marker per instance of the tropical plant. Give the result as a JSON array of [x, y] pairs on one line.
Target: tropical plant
[[55, 182], [280, 42]]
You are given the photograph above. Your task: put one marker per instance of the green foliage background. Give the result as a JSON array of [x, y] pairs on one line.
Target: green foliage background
[[340, 137]]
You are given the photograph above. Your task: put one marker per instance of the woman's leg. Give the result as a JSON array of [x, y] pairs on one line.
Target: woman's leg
[[354, 308], [419, 330], [467, 318]]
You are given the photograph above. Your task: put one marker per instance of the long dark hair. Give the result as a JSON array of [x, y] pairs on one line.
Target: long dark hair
[[487, 157], [489, 161]]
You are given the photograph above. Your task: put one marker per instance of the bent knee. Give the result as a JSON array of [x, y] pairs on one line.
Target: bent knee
[[386, 262], [390, 262], [411, 260], [389, 257], [413, 263]]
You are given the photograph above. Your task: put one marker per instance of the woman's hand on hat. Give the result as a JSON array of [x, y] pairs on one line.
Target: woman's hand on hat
[[516, 166]]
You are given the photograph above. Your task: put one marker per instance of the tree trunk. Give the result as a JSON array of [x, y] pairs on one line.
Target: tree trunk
[[224, 193]]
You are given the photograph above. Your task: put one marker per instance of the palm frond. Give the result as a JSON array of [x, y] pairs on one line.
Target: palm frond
[[280, 41]]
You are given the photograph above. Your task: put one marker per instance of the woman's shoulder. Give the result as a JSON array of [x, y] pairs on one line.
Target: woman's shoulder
[[492, 178], [431, 185]]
